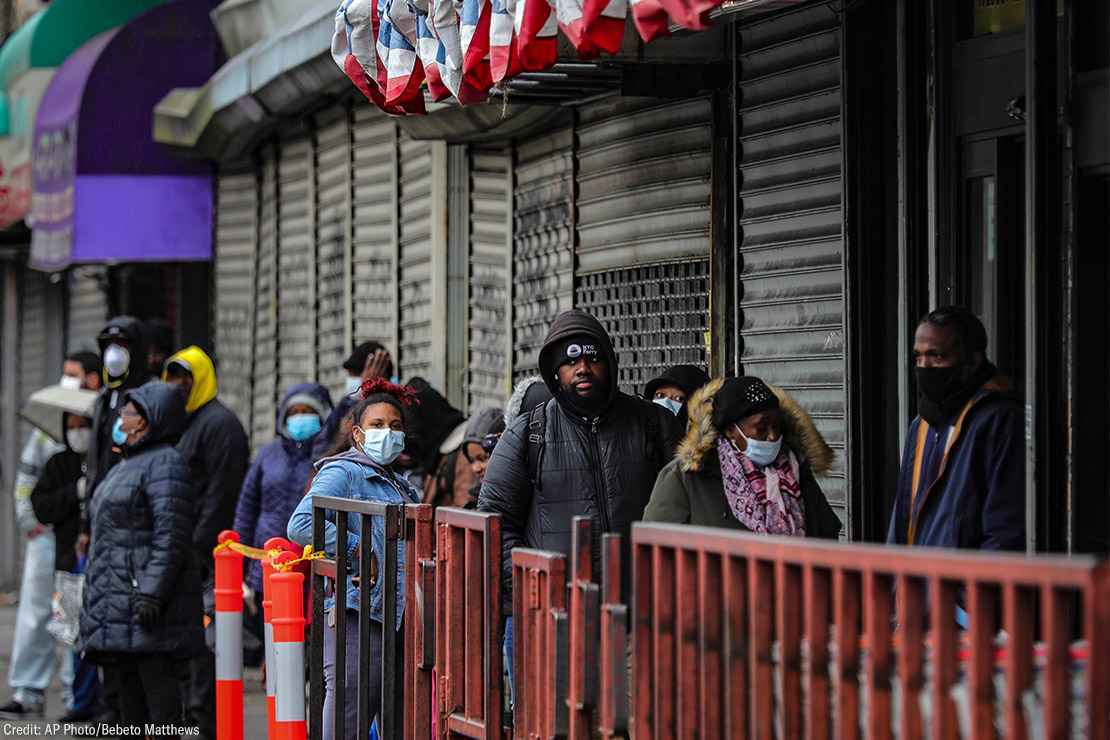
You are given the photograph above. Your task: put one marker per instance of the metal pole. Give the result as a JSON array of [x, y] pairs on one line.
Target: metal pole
[[1041, 205], [390, 728]]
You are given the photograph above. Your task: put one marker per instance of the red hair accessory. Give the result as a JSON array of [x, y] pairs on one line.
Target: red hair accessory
[[405, 395]]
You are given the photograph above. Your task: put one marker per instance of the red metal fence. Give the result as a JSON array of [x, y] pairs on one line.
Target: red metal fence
[[751, 636]]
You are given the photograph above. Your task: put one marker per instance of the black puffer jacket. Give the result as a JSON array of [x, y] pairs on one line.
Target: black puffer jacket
[[142, 528], [603, 467]]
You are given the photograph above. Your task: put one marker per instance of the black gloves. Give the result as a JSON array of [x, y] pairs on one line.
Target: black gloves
[[147, 610]]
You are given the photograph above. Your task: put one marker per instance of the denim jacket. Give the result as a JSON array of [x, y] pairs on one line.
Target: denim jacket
[[352, 475]]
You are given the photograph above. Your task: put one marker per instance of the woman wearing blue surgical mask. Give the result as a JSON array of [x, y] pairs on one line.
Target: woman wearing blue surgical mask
[[749, 462], [276, 480], [365, 472]]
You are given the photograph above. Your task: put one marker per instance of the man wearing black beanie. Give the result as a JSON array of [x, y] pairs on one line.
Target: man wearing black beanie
[[590, 450]]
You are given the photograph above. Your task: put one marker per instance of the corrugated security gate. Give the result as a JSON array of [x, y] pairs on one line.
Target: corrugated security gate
[[374, 228], [543, 242], [422, 260], [490, 266], [236, 232], [34, 335], [789, 128], [265, 324], [333, 214], [644, 185], [296, 286], [87, 312]]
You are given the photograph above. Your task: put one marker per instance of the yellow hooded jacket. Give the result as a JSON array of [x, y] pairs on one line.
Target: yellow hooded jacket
[[197, 362]]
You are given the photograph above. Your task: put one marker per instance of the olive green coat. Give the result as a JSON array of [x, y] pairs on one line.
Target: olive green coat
[[690, 490]]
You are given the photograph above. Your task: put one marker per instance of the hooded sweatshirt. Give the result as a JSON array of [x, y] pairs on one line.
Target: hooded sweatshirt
[[215, 446], [101, 454], [603, 467], [276, 480]]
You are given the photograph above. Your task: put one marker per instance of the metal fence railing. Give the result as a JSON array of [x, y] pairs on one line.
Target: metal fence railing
[[330, 575], [727, 634]]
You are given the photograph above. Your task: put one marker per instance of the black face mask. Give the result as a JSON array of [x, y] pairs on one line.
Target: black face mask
[[938, 383], [943, 391]]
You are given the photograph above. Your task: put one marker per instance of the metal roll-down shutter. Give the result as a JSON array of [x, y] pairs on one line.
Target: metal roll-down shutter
[[422, 260], [333, 213], [296, 286], [236, 254], [543, 242], [792, 294], [87, 311], [265, 322], [374, 228], [489, 349], [644, 182], [34, 335]]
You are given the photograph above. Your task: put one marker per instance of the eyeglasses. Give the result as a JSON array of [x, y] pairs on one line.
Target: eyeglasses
[[487, 443], [124, 413]]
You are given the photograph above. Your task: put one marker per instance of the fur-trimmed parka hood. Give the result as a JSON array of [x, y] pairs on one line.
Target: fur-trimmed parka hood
[[799, 432]]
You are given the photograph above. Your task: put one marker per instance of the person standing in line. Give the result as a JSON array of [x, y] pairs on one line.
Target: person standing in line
[[141, 617], [748, 462], [215, 447], [962, 480], [34, 650], [276, 480], [365, 472], [58, 500]]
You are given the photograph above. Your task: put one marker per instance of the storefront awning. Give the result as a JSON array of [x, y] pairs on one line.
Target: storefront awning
[[103, 190], [27, 63]]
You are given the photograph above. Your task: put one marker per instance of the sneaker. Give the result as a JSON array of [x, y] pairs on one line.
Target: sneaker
[[79, 715], [15, 710]]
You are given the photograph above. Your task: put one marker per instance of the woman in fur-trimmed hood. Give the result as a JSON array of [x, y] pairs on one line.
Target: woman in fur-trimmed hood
[[748, 462]]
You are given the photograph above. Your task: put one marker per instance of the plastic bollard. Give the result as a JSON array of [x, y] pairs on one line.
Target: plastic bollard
[[274, 543], [287, 620], [229, 640]]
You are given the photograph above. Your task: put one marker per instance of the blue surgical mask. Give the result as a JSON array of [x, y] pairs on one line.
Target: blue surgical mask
[[353, 384], [669, 404], [383, 446], [761, 452], [300, 427], [118, 435]]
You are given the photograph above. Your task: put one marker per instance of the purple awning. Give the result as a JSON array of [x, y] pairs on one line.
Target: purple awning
[[104, 191]]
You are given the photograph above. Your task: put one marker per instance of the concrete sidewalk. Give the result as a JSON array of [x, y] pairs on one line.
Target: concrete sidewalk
[[254, 709]]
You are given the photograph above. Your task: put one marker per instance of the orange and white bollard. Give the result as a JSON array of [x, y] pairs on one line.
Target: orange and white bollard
[[284, 545], [229, 640], [287, 620]]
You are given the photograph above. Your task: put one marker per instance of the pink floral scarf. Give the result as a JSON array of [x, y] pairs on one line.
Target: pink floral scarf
[[766, 500]]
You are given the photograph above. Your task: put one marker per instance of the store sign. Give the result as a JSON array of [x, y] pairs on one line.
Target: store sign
[[24, 96], [55, 176]]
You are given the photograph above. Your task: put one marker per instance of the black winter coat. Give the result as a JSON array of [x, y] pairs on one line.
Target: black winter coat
[[55, 502], [102, 455], [604, 468], [142, 524], [215, 447]]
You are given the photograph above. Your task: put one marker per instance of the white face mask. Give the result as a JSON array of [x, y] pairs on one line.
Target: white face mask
[[669, 404], [70, 383], [116, 360], [353, 384], [78, 439], [383, 446]]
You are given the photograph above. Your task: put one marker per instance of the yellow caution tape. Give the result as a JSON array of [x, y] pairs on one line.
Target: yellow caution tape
[[254, 553], [307, 555]]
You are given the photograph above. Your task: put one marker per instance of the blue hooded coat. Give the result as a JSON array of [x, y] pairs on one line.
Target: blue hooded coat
[[972, 496], [277, 479]]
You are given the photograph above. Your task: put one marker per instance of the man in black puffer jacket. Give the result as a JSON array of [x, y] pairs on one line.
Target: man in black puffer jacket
[[600, 454], [141, 616]]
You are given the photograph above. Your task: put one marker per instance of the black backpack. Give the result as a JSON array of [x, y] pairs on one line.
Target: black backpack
[[537, 435]]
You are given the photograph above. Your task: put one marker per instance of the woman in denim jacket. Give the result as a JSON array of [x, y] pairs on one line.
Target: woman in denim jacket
[[363, 472]]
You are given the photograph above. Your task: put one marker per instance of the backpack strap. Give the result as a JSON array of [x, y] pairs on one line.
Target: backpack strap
[[537, 433]]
